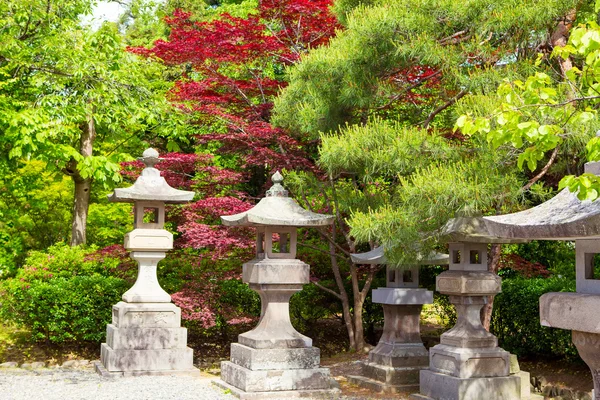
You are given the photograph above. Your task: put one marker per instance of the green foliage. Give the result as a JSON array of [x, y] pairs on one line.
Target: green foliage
[[62, 309], [63, 294], [516, 320], [558, 256], [238, 295], [108, 223], [34, 211]]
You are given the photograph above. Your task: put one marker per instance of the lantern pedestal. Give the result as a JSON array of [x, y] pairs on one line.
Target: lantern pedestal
[[395, 363], [572, 311], [146, 339], [468, 364], [274, 360]]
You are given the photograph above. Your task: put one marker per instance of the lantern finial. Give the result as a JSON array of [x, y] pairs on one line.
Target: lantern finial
[[277, 190], [150, 157]]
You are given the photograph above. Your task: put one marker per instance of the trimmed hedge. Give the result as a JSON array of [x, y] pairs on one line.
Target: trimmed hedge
[[63, 309], [516, 318]]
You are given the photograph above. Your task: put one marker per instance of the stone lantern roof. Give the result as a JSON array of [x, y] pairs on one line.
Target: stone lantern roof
[[150, 186], [563, 217], [377, 256], [277, 209], [472, 230]]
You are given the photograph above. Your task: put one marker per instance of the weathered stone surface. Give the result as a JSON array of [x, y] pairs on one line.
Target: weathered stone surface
[[276, 272], [468, 331], [318, 394], [468, 256], [274, 359], [146, 288], [468, 283], [10, 364], [514, 365], [525, 384], [390, 375], [446, 387], [562, 217], [149, 240], [400, 355], [141, 338], [100, 370], [585, 251], [469, 363], [588, 346], [151, 186], [146, 360], [472, 230], [571, 311], [274, 330], [147, 315], [274, 380], [277, 209], [402, 296], [377, 386]]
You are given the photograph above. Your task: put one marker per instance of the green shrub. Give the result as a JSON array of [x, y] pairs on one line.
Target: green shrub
[[516, 318], [62, 309]]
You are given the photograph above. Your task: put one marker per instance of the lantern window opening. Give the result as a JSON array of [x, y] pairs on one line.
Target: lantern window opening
[[407, 276], [281, 241], [456, 256], [592, 266], [391, 276], [150, 215], [475, 257]]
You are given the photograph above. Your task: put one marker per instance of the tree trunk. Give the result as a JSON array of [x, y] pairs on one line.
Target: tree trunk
[[83, 186], [560, 37], [343, 295], [493, 264]]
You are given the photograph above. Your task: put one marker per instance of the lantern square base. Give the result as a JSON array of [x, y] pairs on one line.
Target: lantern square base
[[273, 359], [272, 380], [436, 386], [381, 387], [400, 355], [320, 394], [469, 363], [123, 360]]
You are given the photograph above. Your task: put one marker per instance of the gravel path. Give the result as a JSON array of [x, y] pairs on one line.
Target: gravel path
[[61, 384]]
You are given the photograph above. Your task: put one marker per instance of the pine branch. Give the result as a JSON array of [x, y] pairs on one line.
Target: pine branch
[[441, 108]]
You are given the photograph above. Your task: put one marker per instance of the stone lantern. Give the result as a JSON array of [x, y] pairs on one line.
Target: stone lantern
[[273, 360], [565, 217], [468, 364], [145, 336], [394, 364]]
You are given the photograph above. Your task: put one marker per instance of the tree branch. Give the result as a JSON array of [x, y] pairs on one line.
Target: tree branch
[[543, 171], [441, 108], [332, 292]]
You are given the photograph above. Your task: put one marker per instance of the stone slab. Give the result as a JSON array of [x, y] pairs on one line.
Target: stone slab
[[146, 360], [525, 384], [469, 363], [150, 240], [571, 311], [381, 387], [468, 283], [145, 338], [259, 341], [147, 315], [391, 376], [276, 272], [275, 380], [438, 386], [402, 296], [268, 359], [400, 355], [319, 394], [100, 370]]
